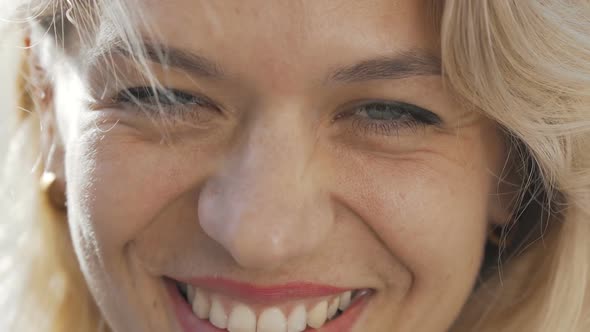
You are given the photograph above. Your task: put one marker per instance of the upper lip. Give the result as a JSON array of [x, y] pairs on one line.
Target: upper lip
[[264, 293]]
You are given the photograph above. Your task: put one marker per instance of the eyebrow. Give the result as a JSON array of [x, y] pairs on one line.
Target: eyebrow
[[176, 58], [396, 66]]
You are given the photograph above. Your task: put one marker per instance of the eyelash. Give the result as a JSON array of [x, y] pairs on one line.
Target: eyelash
[[173, 102], [399, 116], [396, 116]]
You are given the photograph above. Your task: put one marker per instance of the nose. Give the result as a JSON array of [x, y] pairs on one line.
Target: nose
[[266, 205]]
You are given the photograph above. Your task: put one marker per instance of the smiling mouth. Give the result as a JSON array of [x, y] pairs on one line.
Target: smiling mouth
[[222, 305]]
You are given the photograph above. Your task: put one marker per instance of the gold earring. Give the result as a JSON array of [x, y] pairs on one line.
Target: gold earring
[[49, 186], [48, 180]]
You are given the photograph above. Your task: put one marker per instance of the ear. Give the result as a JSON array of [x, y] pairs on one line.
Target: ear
[[40, 88]]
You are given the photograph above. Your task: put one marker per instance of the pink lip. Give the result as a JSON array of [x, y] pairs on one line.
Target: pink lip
[[190, 323], [263, 294]]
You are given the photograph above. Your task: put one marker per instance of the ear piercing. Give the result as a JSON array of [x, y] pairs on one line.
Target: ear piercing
[[49, 185], [47, 181]]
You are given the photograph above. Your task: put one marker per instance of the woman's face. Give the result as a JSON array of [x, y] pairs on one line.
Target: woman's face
[[311, 150]]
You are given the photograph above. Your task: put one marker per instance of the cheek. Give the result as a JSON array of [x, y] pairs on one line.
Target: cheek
[[118, 183], [430, 213]]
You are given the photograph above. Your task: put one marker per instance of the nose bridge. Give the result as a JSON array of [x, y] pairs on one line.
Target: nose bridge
[[264, 206]]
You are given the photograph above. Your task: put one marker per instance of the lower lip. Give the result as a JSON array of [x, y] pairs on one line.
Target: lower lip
[[190, 323]]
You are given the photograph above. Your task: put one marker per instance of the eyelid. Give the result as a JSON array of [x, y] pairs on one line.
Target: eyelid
[[191, 108], [126, 96], [409, 118], [423, 114]]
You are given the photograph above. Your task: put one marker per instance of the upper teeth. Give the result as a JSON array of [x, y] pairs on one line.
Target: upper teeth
[[234, 316]]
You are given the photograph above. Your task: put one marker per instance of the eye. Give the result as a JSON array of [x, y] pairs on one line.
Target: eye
[[166, 102], [389, 118], [148, 95]]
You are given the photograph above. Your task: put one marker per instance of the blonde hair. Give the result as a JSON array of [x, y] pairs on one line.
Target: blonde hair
[[524, 64]]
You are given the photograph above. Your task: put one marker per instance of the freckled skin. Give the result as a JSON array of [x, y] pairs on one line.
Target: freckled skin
[[276, 190]]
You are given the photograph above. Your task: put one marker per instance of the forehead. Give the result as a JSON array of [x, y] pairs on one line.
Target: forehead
[[292, 25], [288, 39]]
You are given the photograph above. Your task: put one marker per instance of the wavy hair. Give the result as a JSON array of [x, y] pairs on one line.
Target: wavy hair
[[523, 63]]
